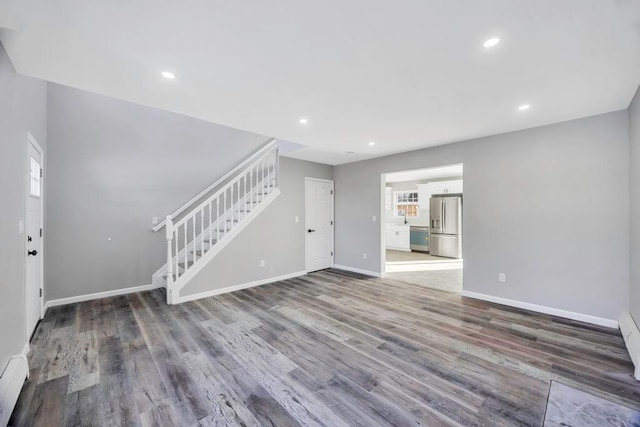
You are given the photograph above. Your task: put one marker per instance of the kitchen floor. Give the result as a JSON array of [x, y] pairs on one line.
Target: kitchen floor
[[425, 270]]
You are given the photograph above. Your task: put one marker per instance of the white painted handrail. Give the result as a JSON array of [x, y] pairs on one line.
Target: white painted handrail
[[222, 179], [211, 221]]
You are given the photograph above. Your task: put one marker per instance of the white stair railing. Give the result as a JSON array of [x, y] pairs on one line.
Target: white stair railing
[[207, 228]]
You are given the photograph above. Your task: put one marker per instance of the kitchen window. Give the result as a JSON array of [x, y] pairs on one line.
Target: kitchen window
[[406, 203]]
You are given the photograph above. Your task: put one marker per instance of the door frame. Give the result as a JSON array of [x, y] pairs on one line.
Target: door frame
[[32, 141], [333, 226], [383, 212]]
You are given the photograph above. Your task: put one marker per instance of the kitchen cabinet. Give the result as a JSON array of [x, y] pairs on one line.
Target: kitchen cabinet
[[397, 237], [425, 191], [424, 194], [446, 187], [388, 193]]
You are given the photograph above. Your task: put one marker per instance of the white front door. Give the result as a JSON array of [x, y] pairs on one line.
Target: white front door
[[318, 224], [33, 236]]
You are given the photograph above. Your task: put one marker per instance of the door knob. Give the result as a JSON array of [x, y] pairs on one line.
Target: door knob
[[33, 252], [310, 230]]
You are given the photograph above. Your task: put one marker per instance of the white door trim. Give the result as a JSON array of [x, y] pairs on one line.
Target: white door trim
[[333, 228], [383, 223], [31, 140]]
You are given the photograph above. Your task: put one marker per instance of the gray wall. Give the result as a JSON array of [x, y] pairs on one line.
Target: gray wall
[[273, 236], [113, 166], [634, 183], [23, 109], [533, 209]]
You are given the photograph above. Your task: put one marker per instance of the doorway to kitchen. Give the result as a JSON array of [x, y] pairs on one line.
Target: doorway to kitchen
[[422, 212]]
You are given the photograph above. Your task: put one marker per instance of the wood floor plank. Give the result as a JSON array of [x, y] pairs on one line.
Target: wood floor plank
[[116, 394], [83, 408], [48, 403]]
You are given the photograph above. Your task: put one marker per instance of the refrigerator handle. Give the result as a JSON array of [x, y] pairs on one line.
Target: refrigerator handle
[[444, 220]]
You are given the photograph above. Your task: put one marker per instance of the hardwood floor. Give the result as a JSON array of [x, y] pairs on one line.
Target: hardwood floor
[[331, 348]]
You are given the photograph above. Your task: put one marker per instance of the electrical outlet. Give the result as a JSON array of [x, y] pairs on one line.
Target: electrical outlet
[[262, 263], [502, 277], [296, 218], [364, 255]]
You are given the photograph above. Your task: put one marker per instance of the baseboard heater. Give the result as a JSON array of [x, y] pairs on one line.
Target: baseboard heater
[[11, 382], [631, 335]]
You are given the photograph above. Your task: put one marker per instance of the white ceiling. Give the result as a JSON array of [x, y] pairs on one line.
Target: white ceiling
[[424, 174], [406, 74]]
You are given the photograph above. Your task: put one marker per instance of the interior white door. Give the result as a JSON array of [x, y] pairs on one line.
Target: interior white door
[[33, 235], [318, 224]]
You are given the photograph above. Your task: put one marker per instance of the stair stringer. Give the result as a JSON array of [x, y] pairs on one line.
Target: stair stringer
[[173, 292]]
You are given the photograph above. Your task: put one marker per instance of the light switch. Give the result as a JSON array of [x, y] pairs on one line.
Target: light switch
[[154, 220], [374, 218], [296, 219]]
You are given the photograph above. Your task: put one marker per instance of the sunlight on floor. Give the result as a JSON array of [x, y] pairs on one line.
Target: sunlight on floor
[[425, 270], [399, 267]]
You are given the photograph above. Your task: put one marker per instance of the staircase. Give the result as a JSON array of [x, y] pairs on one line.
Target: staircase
[[196, 234]]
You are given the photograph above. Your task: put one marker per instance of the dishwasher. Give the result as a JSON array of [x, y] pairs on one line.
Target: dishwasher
[[419, 238]]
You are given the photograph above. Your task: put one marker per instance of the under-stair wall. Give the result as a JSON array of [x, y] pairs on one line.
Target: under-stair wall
[[274, 236]]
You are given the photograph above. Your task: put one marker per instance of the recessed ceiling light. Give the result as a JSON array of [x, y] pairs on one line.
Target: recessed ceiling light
[[372, 143], [491, 42], [168, 75], [524, 107], [303, 121]]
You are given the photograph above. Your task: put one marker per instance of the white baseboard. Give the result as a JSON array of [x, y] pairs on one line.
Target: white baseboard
[[358, 270], [186, 298], [26, 349], [97, 295], [600, 321]]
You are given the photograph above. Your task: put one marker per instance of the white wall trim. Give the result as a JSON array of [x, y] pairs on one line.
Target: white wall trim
[[600, 321], [26, 349], [98, 295], [233, 288], [358, 270]]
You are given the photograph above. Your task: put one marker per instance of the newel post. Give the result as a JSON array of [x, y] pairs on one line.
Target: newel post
[[169, 229]]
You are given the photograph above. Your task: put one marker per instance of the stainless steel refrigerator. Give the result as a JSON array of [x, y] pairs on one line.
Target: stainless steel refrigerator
[[445, 211]]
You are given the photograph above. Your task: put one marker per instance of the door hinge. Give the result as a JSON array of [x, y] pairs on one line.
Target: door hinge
[[40, 172], [40, 292], [41, 232], [331, 191], [331, 222], [331, 253]]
